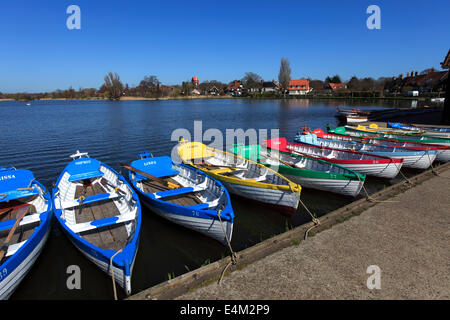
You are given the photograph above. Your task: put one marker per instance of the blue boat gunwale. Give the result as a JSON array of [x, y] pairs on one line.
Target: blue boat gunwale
[[399, 125], [227, 214], [39, 232], [123, 259]]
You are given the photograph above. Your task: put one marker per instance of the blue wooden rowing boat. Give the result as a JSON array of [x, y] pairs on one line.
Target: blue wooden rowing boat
[[25, 219], [429, 130], [183, 195], [101, 215]]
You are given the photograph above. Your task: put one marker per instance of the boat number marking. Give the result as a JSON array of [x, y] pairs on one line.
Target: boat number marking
[[9, 176], [3, 273]]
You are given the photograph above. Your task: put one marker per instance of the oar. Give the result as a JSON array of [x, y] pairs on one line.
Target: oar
[[5, 211], [169, 184], [20, 214], [117, 189]]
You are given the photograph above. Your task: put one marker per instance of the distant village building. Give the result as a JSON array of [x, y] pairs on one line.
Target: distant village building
[[413, 93], [299, 87], [236, 88], [337, 86], [195, 81], [428, 80], [270, 86], [196, 91], [213, 91]]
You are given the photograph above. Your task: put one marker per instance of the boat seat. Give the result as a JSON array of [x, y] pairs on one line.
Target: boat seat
[[12, 248], [179, 191], [173, 192], [90, 199], [221, 170], [29, 219], [100, 223]]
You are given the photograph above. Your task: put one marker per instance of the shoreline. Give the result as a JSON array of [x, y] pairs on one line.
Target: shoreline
[[423, 99]]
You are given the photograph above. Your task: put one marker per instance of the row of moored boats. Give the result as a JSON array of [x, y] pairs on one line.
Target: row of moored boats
[[100, 212]]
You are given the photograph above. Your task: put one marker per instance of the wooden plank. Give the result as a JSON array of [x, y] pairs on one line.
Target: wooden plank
[[118, 233], [85, 214], [182, 199]]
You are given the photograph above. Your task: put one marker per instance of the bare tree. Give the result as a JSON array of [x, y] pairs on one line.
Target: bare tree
[[252, 80], [113, 86], [284, 77]]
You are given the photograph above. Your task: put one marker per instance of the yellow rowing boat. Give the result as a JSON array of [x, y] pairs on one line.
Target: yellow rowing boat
[[241, 176]]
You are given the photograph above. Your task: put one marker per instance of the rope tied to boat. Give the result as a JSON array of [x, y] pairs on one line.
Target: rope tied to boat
[[233, 260], [313, 217], [369, 197], [431, 164], [111, 268], [404, 177]]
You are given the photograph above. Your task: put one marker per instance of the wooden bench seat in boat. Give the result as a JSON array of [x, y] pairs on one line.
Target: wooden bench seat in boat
[[101, 223], [29, 219], [90, 199], [183, 199], [109, 237], [179, 191], [23, 231]]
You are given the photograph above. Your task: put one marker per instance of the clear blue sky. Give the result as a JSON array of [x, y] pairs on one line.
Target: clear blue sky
[[214, 40]]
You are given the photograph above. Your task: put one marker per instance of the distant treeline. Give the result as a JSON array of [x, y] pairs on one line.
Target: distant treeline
[[430, 83]]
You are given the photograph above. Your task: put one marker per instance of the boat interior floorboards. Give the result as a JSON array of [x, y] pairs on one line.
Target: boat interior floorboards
[[186, 199], [21, 233], [110, 237]]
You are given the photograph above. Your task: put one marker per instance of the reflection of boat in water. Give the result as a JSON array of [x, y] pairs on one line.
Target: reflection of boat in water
[[358, 116], [28, 104], [438, 100]]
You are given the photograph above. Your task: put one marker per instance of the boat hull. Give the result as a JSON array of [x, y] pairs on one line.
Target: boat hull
[[122, 274], [380, 170], [423, 160], [9, 283], [284, 201], [209, 227], [123, 259], [443, 155], [349, 188]]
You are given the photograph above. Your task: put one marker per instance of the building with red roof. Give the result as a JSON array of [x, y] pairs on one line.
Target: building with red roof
[[337, 86], [299, 87]]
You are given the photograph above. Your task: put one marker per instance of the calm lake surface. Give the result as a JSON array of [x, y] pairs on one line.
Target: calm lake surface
[[41, 137]]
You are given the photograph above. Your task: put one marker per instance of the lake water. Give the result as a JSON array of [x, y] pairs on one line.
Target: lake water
[[41, 137]]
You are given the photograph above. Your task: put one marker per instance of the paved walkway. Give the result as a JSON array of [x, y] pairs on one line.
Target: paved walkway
[[409, 240]]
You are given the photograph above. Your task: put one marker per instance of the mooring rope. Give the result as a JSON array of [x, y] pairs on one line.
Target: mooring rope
[[233, 254], [369, 197], [431, 164], [111, 268], [404, 177], [313, 218]]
